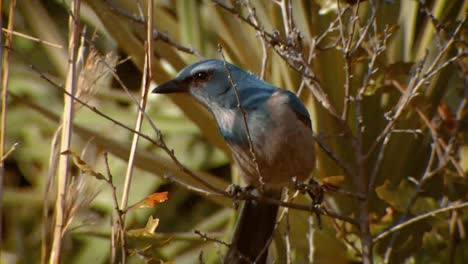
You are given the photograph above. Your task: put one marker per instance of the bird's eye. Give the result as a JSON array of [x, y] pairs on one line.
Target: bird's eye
[[201, 76]]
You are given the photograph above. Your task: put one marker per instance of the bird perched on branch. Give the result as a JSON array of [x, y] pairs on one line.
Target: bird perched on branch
[[269, 132]]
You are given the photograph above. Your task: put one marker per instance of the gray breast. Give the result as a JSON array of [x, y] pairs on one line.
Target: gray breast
[[283, 145]]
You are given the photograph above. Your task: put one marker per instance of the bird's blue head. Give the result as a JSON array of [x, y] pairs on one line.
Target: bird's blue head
[[208, 82]]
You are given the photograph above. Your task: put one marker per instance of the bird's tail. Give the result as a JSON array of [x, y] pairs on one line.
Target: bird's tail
[[252, 234]]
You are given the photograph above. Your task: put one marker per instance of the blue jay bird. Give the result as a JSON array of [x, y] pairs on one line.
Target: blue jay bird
[[281, 135]]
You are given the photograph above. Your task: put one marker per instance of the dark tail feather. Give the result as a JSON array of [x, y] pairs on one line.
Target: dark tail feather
[[254, 229]]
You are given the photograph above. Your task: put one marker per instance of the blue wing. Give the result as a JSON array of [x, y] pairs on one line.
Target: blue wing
[[298, 107]]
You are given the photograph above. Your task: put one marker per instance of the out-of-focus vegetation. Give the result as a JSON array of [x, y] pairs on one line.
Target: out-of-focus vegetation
[[385, 82]]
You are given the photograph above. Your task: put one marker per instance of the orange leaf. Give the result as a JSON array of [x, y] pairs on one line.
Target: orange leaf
[[334, 181], [151, 200], [446, 115]]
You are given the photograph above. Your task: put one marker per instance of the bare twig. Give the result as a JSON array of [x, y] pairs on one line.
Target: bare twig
[[347, 170], [254, 18], [66, 134], [410, 204], [26, 36], [157, 35], [347, 55], [454, 241], [147, 76], [361, 179], [118, 236], [287, 238], [440, 144], [244, 119], [415, 84], [9, 151], [378, 162], [113, 245], [5, 74], [48, 191], [418, 218], [206, 237], [159, 143], [310, 238], [291, 54]]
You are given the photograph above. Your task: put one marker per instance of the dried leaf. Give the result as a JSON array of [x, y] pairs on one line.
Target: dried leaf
[[151, 200], [83, 166], [446, 115], [334, 181]]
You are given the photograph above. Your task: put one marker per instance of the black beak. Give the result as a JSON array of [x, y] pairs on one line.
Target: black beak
[[172, 86]]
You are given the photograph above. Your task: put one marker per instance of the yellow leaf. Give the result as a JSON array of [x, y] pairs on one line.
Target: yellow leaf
[[148, 231]]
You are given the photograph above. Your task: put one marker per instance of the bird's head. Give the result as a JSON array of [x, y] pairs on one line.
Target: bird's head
[[208, 82]]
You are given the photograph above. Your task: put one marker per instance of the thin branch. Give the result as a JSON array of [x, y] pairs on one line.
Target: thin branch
[[157, 35], [361, 179], [378, 162], [287, 238], [5, 74], [254, 18], [26, 36], [415, 83], [141, 110], [48, 191], [286, 14], [120, 221], [291, 54], [63, 172], [418, 218], [205, 237], [411, 202], [437, 139], [9, 151], [454, 241], [210, 238], [244, 119], [310, 239], [160, 143]]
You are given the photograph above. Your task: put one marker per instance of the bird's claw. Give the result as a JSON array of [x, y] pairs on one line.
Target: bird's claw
[[237, 193], [316, 192], [313, 188]]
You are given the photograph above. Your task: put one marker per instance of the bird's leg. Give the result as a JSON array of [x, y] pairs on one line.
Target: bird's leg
[[234, 191], [237, 192], [315, 191]]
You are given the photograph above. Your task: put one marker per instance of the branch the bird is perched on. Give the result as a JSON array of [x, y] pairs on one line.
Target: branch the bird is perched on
[[253, 115]]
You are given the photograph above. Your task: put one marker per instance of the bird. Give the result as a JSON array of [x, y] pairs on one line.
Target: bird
[[269, 132]]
